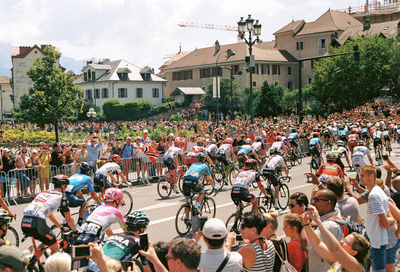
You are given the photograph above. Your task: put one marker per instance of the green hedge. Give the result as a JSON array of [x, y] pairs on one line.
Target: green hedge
[[113, 109]]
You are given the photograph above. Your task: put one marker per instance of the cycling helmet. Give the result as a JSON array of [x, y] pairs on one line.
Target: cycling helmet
[[5, 217], [85, 167], [247, 141], [250, 163], [340, 143], [137, 220], [200, 156], [229, 140], [330, 157], [293, 130], [60, 180], [361, 142], [258, 139], [113, 194], [115, 158], [315, 135]]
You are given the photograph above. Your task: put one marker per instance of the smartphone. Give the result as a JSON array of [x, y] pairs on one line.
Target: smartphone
[[203, 220], [144, 242], [81, 251]]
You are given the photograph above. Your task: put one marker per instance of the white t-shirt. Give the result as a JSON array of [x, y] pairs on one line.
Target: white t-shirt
[[211, 259], [378, 203]]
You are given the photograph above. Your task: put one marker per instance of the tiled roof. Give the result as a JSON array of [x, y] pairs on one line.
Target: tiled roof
[[100, 66], [387, 29], [189, 90], [22, 51], [205, 56], [332, 20], [5, 80], [294, 26]]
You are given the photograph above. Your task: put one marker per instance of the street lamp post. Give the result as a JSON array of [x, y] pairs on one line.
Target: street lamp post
[[91, 113], [250, 26]]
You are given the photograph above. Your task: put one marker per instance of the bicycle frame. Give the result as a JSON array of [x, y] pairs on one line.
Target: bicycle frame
[[35, 257]]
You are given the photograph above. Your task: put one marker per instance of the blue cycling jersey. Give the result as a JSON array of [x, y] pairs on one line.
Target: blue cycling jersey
[[293, 136], [78, 181], [244, 150], [196, 171], [315, 141], [364, 130], [342, 132]]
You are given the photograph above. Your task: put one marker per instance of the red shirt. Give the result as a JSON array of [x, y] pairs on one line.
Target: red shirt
[[330, 169], [297, 257]]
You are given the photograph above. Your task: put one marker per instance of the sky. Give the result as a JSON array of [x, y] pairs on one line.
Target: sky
[[142, 32]]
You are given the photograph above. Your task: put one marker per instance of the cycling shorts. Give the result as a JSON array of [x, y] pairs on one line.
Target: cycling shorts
[[239, 194], [169, 163], [37, 228], [386, 137], [314, 150], [377, 142], [101, 181], [190, 185], [74, 200], [242, 158], [271, 176], [293, 142], [222, 158]]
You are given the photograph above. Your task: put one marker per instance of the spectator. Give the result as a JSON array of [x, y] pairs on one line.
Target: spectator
[[377, 220], [348, 206], [298, 202], [292, 228], [325, 202], [11, 259], [93, 149], [214, 235], [58, 262], [56, 155], [44, 171], [81, 154], [127, 156], [183, 255], [22, 162]]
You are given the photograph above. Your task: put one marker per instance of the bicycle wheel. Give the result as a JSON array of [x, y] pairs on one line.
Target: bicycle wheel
[[233, 174], [127, 204], [261, 209], [292, 160], [12, 236], [299, 160], [164, 188], [284, 194], [180, 182], [183, 223], [208, 208], [230, 223], [218, 174]]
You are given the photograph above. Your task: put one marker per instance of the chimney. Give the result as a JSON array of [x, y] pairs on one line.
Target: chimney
[[89, 62], [106, 61]]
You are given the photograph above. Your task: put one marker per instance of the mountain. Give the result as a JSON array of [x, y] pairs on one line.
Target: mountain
[[72, 64]]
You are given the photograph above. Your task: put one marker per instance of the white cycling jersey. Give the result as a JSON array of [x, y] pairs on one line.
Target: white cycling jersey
[[278, 145], [172, 152], [245, 178], [359, 152], [225, 149], [257, 146], [46, 203], [273, 162], [212, 149], [109, 167], [377, 134]]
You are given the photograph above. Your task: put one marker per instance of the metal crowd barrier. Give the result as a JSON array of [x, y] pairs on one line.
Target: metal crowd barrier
[[304, 146]]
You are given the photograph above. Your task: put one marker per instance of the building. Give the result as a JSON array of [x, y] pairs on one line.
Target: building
[[119, 79], [275, 61], [6, 105], [375, 11], [22, 58], [188, 94]]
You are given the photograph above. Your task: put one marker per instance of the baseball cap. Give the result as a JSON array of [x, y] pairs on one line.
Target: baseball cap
[[12, 257], [214, 229]]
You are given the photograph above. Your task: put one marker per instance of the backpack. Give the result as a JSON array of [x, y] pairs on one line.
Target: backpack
[[284, 258], [348, 226]]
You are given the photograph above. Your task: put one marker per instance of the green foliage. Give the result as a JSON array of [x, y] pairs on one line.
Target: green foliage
[[176, 117], [256, 98], [225, 96], [53, 95], [343, 83], [269, 100], [113, 109]]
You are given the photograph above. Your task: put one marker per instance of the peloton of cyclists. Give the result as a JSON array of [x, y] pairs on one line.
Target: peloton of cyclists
[[107, 170]]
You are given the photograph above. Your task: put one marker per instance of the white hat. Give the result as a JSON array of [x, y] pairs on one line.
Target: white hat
[[6, 150], [34, 151], [145, 131], [214, 229]]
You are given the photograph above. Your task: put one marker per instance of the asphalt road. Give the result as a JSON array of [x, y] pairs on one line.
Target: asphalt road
[[162, 211]]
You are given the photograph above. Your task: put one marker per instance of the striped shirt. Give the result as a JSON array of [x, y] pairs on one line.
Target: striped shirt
[[264, 259]]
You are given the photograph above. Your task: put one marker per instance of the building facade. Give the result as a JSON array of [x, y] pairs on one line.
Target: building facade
[[119, 79], [6, 105]]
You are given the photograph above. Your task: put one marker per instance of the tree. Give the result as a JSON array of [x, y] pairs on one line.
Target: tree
[[225, 95], [53, 95], [270, 100], [343, 82]]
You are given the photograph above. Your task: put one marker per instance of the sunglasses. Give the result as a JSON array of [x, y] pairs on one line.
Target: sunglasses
[[291, 205], [316, 199]]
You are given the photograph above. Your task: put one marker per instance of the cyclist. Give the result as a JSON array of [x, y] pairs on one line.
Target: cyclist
[[294, 139], [359, 153], [353, 141], [377, 138], [170, 160], [73, 192], [364, 133], [341, 151], [99, 221], [123, 246], [226, 155], [199, 147], [102, 174], [269, 171], [342, 133], [326, 133], [5, 220], [279, 145], [191, 180], [258, 146], [315, 147], [386, 139], [212, 150], [42, 207], [329, 169], [246, 152]]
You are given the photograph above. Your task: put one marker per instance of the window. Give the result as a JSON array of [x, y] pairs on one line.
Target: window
[[209, 72], [299, 45], [290, 85], [123, 76], [89, 75], [235, 69], [289, 71], [255, 69], [93, 75], [182, 75], [122, 92], [156, 93], [322, 43], [139, 92], [104, 93], [265, 69], [276, 69], [88, 95], [146, 76], [96, 93], [84, 77]]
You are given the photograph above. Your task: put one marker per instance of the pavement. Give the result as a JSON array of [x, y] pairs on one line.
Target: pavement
[[162, 211]]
